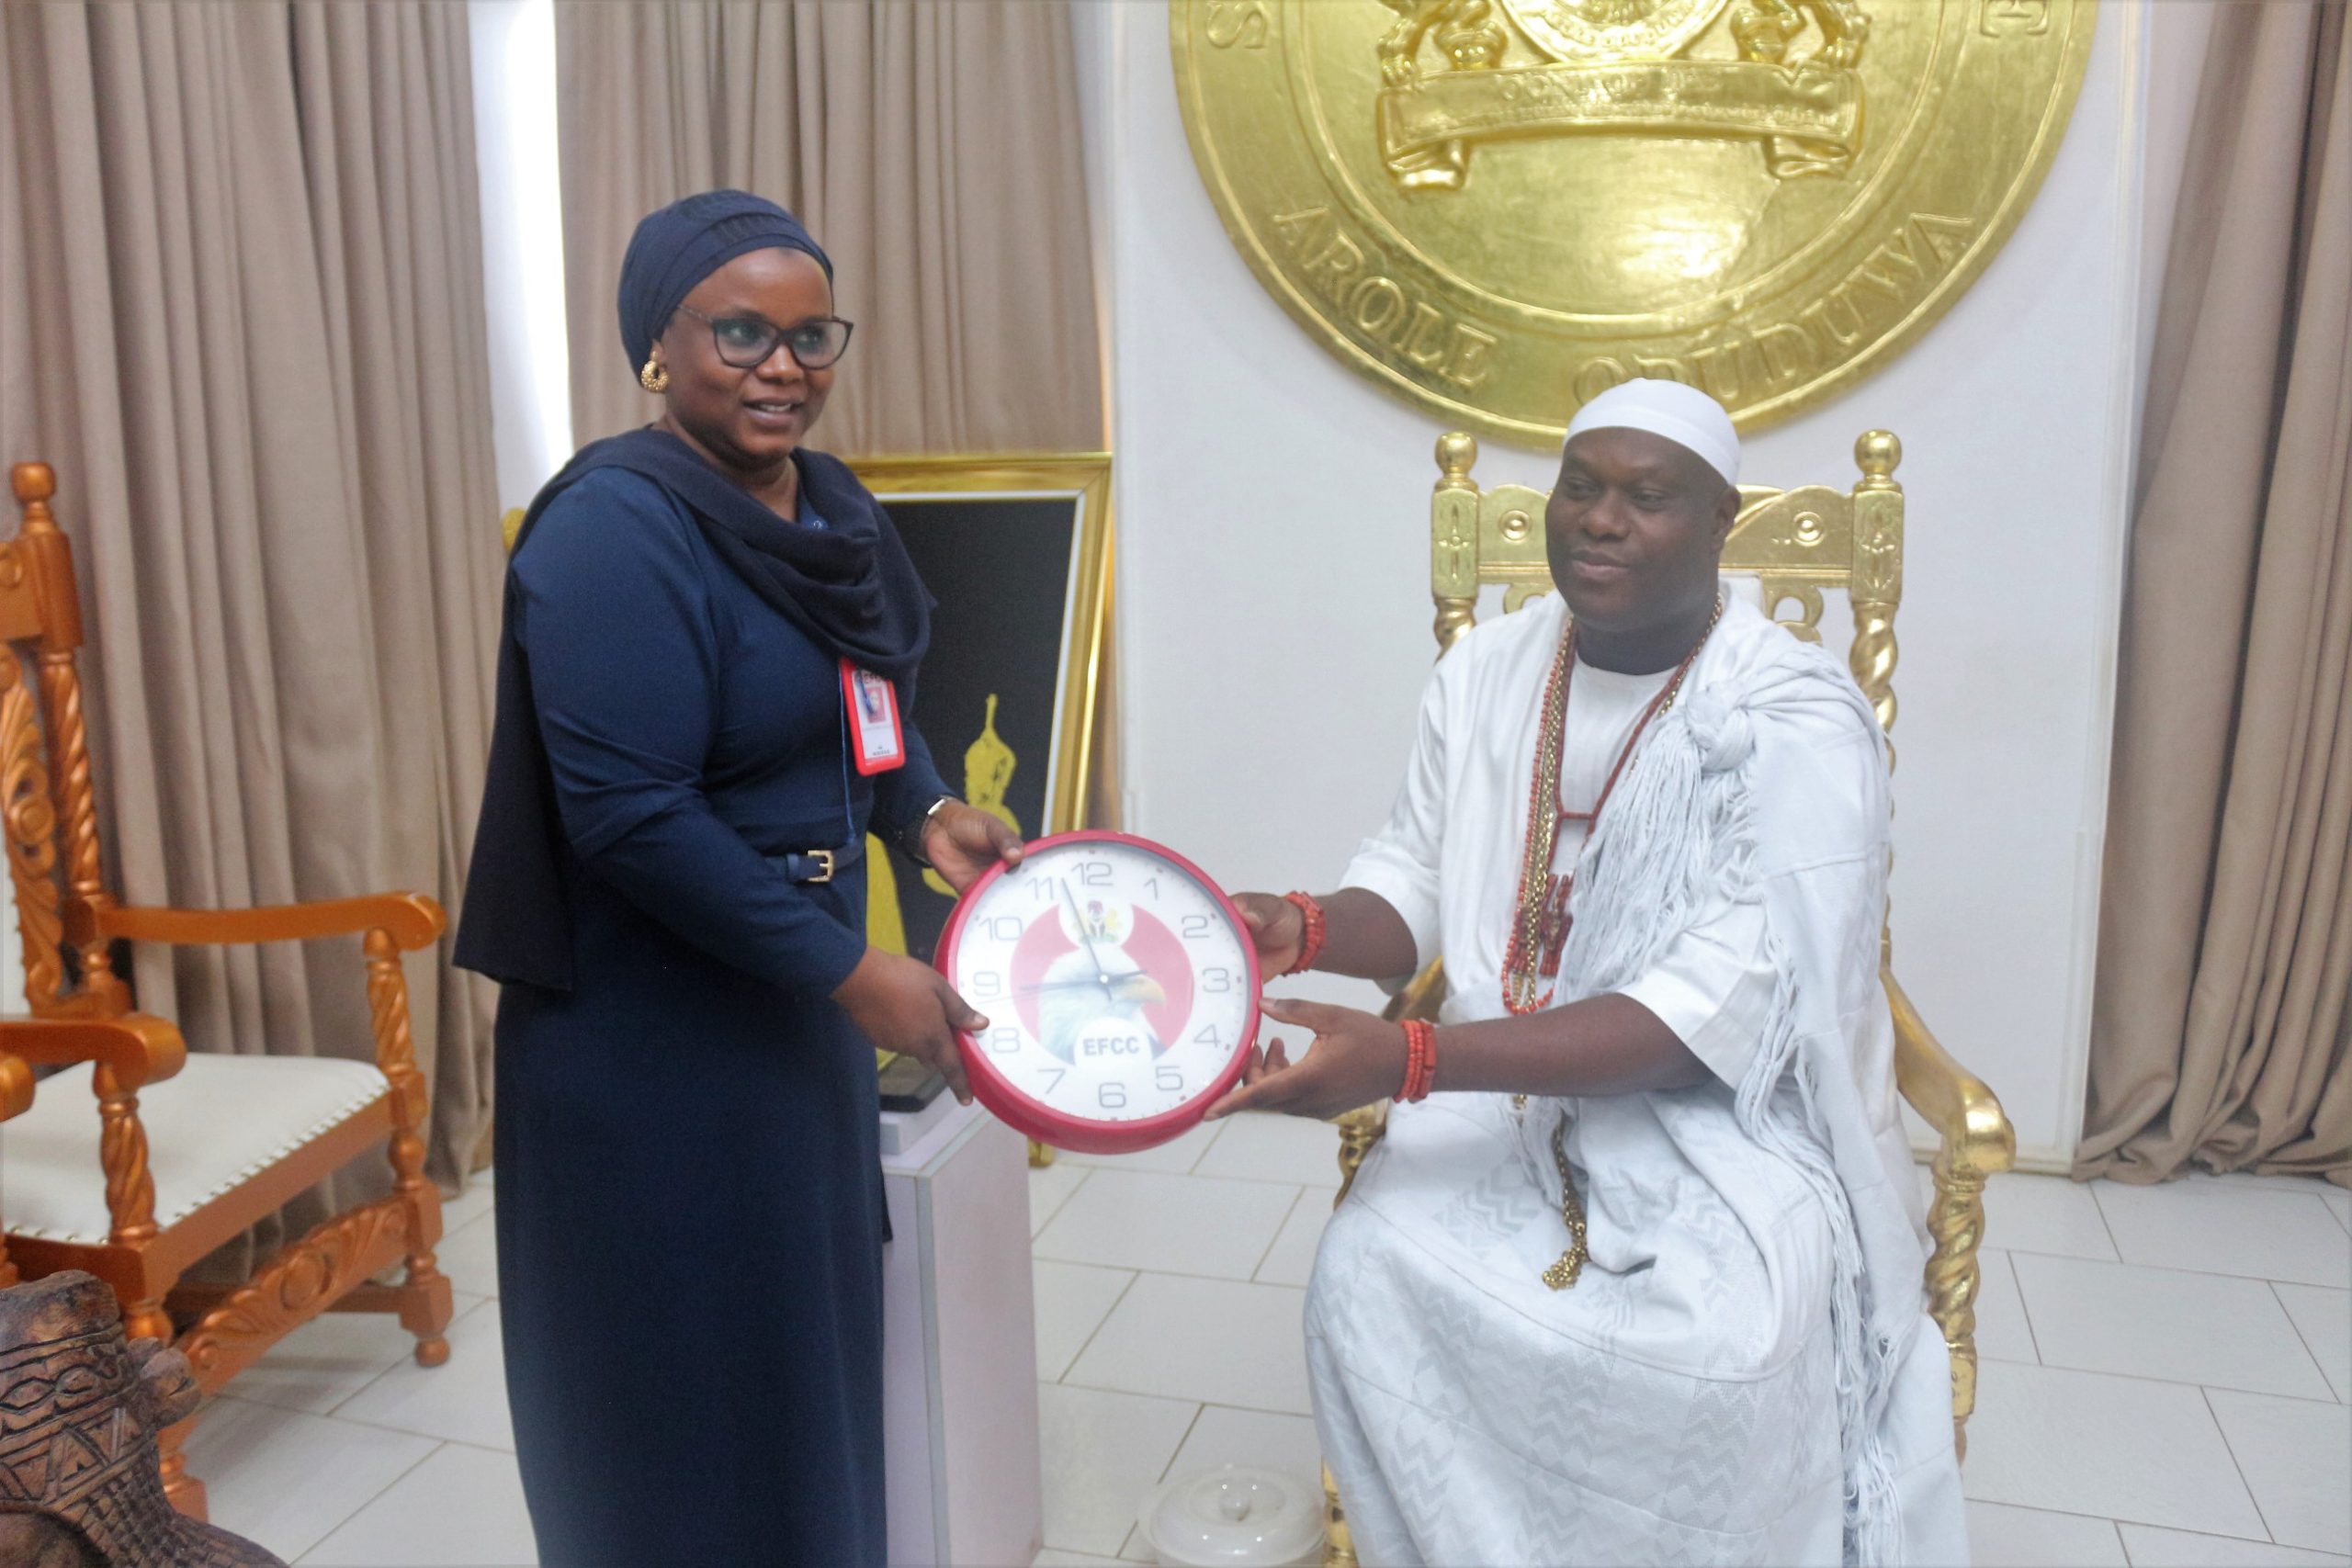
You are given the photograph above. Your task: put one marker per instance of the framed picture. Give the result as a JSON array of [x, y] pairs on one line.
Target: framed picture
[[1017, 550]]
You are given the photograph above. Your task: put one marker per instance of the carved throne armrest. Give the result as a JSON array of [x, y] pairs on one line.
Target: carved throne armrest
[[1973, 1140], [127, 1052], [391, 923], [135, 1048], [411, 919]]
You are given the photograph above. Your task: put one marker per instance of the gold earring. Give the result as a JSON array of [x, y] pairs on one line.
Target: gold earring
[[654, 378]]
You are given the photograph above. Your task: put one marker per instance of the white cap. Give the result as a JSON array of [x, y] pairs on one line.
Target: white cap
[[1684, 415]]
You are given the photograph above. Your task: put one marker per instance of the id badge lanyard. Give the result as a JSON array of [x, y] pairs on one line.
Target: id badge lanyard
[[872, 737], [877, 740]]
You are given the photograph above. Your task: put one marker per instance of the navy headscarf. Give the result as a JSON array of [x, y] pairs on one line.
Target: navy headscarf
[[849, 586], [685, 242]]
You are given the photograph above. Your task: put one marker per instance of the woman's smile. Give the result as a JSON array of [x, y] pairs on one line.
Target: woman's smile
[[776, 413]]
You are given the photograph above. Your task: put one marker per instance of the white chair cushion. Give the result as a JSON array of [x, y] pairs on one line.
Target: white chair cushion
[[220, 1121]]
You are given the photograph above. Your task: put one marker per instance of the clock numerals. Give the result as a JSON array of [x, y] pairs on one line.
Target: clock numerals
[[1169, 1079], [1208, 1036], [1003, 928], [1005, 1041], [1216, 982], [1195, 927], [1111, 1096], [1054, 1075], [1151, 885], [986, 984], [1094, 874]]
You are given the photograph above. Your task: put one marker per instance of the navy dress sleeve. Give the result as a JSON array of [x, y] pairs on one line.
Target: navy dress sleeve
[[615, 614], [905, 793]]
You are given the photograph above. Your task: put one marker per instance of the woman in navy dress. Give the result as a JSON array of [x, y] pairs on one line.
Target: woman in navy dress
[[667, 880]]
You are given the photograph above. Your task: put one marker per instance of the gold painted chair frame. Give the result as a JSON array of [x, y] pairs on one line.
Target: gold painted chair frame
[[1798, 544]]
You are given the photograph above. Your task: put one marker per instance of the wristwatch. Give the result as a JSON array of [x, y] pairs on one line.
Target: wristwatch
[[910, 836]]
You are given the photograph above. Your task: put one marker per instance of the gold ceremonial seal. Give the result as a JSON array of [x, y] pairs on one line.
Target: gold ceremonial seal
[[1499, 208]]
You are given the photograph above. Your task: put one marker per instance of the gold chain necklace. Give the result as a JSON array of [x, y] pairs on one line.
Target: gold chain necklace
[[1540, 918], [1540, 925]]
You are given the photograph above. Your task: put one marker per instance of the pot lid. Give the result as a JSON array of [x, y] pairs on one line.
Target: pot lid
[[1237, 1515]]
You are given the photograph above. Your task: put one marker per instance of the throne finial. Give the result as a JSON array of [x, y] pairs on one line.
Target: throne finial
[[1457, 452], [1877, 452], [33, 481]]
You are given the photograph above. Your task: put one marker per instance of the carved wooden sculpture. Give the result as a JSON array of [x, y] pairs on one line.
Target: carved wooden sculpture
[[81, 1408], [245, 1134]]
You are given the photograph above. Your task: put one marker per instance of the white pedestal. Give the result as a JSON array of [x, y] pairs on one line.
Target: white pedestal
[[959, 1353]]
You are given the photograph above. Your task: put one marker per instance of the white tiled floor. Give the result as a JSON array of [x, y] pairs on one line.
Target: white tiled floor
[[2162, 1385], [1072, 1300], [1145, 1219]]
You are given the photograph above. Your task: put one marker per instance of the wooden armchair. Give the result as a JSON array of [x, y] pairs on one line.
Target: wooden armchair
[[1793, 544], [140, 1158]]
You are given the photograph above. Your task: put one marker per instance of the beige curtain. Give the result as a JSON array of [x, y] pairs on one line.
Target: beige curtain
[[241, 313], [2220, 1022], [933, 146]]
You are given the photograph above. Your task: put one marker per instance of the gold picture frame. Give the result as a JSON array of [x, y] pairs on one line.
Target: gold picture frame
[[1077, 779]]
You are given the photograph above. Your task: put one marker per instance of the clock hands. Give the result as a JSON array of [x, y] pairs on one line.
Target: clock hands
[[1101, 982], [1139, 988], [1101, 978]]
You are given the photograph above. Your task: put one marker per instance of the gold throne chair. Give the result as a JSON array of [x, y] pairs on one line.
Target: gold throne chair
[[1793, 546]]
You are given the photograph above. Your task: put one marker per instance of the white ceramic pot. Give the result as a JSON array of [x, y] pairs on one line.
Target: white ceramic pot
[[1235, 1517]]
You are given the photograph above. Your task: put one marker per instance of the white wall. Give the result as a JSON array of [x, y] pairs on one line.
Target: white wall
[[1273, 623], [522, 241]]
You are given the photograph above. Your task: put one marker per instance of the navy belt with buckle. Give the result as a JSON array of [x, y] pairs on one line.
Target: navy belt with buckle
[[819, 865]]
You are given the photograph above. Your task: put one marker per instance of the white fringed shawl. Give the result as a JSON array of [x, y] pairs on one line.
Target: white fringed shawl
[[1684, 828]]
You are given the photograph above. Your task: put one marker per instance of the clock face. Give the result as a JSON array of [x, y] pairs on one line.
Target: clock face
[[1120, 985]]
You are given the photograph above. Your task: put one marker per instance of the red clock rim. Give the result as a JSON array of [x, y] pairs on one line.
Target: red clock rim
[[1034, 1118]]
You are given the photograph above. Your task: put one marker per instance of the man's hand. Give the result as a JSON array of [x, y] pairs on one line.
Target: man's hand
[[961, 842], [908, 1008], [1276, 926], [1355, 1059]]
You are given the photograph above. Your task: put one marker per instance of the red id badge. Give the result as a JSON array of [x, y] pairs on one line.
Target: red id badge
[[872, 704]]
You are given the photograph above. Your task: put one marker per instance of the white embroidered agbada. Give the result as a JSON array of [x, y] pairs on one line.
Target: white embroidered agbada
[[1745, 1372]]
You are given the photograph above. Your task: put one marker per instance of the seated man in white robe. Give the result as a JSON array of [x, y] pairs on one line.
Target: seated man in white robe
[[1641, 1280]]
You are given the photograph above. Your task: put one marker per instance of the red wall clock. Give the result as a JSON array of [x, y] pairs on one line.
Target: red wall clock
[[1120, 985]]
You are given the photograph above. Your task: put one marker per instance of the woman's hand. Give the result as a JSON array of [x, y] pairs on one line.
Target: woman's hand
[[907, 1007], [1277, 926], [1355, 1059], [961, 842]]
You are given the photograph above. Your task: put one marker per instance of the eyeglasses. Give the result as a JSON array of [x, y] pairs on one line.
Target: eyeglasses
[[746, 342]]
